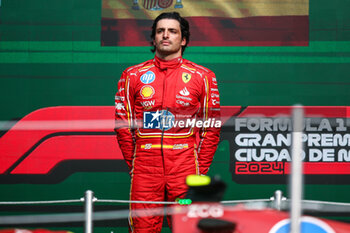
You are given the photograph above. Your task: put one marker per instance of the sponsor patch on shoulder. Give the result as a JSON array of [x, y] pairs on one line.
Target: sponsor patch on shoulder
[[148, 77]]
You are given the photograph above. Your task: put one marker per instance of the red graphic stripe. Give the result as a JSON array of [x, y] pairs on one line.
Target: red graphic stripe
[[18, 140]]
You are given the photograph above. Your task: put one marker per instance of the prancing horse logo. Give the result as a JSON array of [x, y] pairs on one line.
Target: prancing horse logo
[[186, 77]]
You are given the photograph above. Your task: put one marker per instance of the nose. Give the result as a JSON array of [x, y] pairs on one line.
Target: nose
[[166, 34]]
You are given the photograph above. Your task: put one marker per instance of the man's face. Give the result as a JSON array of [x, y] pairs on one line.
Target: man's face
[[168, 39]]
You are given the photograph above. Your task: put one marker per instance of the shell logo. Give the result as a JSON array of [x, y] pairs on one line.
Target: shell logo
[[147, 92]]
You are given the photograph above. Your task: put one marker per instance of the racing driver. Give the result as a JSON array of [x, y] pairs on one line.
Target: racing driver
[[167, 120]]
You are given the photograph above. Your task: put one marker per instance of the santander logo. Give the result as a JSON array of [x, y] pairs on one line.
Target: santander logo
[[184, 92]]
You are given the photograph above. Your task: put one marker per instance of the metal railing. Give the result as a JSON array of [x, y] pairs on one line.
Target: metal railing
[[89, 216], [278, 202]]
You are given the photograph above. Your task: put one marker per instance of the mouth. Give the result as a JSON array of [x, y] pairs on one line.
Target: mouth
[[165, 42]]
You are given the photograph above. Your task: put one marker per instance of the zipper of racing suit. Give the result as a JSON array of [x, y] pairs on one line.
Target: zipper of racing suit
[[167, 109], [161, 140]]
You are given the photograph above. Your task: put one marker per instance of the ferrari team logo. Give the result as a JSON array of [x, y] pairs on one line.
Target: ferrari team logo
[[186, 77]]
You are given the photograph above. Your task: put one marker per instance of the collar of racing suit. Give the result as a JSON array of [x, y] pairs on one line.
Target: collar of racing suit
[[164, 64]]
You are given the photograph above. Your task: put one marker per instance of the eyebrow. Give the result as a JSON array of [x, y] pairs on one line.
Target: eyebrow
[[163, 28]]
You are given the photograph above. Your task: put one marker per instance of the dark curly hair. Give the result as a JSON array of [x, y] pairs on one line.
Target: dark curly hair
[[185, 28]]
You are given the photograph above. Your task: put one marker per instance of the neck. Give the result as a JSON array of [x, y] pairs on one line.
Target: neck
[[167, 64], [168, 57]]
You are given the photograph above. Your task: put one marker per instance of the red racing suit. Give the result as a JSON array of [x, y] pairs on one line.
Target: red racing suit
[[167, 125]]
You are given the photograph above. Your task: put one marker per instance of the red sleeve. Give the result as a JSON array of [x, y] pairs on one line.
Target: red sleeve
[[209, 136], [124, 123]]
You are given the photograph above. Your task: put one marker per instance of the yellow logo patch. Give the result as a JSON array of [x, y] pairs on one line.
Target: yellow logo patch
[[147, 92], [186, 77]]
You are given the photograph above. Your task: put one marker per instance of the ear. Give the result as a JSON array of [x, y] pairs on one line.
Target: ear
[[183, 42]]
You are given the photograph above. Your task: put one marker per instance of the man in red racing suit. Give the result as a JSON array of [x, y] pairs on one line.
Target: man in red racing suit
[[167, 121]]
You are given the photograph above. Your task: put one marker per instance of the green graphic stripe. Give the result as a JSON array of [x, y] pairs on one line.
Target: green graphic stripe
[[92, 52]]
